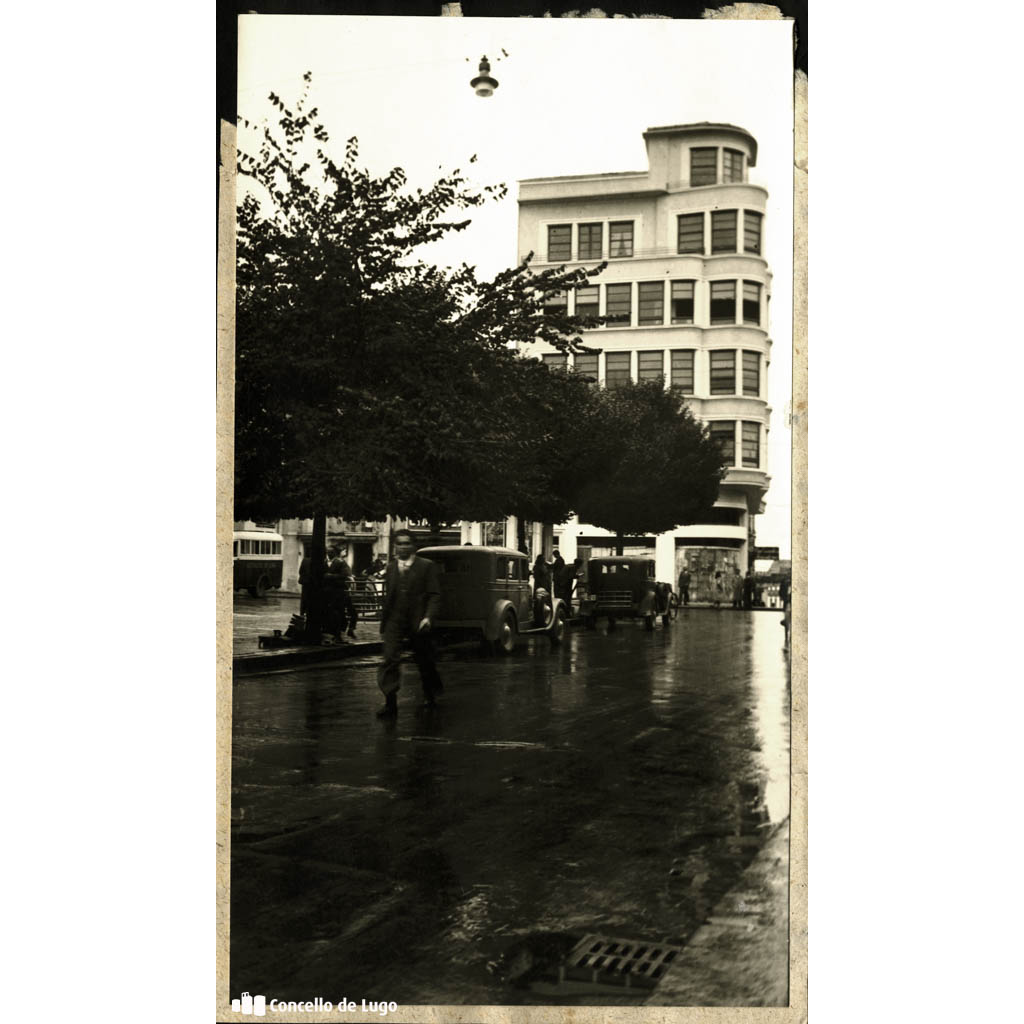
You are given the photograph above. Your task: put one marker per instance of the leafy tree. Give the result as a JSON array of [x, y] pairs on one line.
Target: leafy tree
[[367, 381], [660, 468]]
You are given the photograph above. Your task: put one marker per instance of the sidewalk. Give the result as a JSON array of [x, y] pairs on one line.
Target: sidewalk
[[254, 617], [740, 955]]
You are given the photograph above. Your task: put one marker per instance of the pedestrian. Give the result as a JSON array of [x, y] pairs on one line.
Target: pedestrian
[[748, 591], [684, 585], [737, 591], [412, 601], [305, 579], [335, 578], [561, 579], [541, 575]]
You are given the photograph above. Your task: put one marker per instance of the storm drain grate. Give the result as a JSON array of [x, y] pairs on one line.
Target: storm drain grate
[[623, 963]]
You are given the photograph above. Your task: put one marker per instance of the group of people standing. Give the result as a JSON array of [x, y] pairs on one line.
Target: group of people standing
[[556, 577], [340, 614]]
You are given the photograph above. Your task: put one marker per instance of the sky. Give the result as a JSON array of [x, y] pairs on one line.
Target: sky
[[574, 97]]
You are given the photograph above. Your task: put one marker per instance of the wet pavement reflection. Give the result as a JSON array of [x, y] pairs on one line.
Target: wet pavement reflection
[[617, 785]]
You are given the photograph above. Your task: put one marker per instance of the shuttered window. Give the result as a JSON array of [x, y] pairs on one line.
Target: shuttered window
[[691, 233], [724, 433], [732, 165], [752, 445], [723, 302], [751, 231], [723, 372], [752, 373], [650, 365], [585, 363], [620, 238], [559, 243], [682, 302], [751, 303], [590, 241], [587, 301], [723, 231], [556, 360], [616, 369], [651, 303], [618, 303], [703, 169], [557, 304], [682, 369]]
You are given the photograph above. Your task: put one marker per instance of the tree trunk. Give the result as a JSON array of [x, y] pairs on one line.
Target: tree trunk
[[521, 535], [316, 598], [618, 543]]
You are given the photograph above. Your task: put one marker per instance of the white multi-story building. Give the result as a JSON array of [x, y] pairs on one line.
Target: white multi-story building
[[686, 290]]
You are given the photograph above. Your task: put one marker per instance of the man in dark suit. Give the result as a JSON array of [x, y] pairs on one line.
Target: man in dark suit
[[412, 600]]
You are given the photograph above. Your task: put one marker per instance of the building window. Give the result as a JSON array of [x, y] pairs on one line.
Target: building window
[[703, 166], [752, 373], [559, 243], [723, 372], [616, 369], [751, 231], [651, 303], [682, 370], [618, 303], [555, 360], [620, 238], [650, 365], [691, 233], [557, 304], [587, 301], [585, 364], [752, 303], [723, 231], [682, 302], [732, 165], [752, 445], [590, 241], [723, 302], [723, 432]]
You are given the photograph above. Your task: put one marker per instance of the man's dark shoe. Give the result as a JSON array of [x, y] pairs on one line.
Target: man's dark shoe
[[390, 709]]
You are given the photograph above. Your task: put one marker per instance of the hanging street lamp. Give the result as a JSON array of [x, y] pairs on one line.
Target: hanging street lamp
[[483, 84]]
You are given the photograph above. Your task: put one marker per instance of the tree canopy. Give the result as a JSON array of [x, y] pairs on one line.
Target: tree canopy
[[368, 381], [662, 469]]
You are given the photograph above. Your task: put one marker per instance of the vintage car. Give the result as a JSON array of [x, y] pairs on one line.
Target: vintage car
[[625, 587], [486, 591]]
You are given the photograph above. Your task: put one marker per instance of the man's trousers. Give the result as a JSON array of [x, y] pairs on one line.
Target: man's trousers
[[389, 674]]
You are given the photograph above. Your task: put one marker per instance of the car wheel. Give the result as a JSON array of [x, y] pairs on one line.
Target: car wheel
[[507, 633], [557, 631]]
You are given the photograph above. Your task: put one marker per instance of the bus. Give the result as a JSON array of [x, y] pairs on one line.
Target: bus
[[258, 561]]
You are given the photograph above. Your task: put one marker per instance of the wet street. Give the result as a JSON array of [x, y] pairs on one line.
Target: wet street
[[617, 785]]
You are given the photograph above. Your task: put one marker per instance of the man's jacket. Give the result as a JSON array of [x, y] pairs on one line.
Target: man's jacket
[[424, 591]]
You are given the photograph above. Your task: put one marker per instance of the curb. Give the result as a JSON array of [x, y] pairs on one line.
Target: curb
[[271, 661]]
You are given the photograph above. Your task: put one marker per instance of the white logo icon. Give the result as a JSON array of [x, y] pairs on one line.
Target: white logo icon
[[255, 1005]]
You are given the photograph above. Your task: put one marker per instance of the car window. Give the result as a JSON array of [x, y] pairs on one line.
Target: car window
[[451, 564], [501, 568]]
